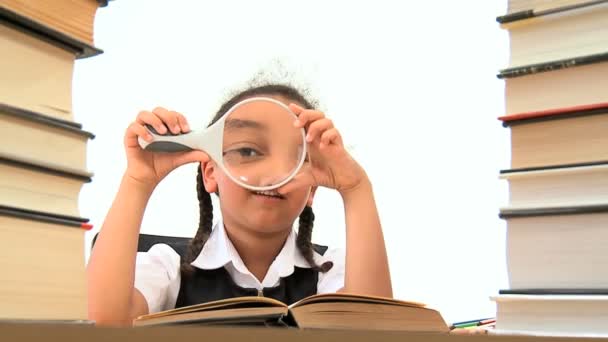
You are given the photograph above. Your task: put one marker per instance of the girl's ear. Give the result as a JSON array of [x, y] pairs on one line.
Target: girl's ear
[[311, 196], [209, 180]]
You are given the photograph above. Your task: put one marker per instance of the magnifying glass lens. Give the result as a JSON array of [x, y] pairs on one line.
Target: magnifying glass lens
[[261, 147]]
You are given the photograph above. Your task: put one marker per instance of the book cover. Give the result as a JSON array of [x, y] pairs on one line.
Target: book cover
[[554, 113], [565, 63]]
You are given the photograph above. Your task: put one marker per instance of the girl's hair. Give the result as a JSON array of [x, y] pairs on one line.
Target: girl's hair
[[303, 241]]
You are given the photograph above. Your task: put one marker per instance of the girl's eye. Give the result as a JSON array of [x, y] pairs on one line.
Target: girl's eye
[[242, 155], [247, 152]]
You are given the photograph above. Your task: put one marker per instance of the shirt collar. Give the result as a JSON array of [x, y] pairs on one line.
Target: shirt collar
[[219, 251]]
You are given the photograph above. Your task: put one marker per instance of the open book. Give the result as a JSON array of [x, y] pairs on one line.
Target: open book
[[324, 311]]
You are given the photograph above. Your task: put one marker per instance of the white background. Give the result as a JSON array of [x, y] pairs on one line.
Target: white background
[[411, 86]]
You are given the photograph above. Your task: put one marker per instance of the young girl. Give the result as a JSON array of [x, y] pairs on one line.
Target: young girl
[[241, 255]]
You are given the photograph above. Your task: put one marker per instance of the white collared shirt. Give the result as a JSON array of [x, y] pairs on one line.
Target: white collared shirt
[[157, 272]]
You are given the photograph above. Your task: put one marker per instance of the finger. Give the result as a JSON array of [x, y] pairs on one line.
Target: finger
[[191, 157], [296, 109], [183, 123], [307, 116], [140, 131], [169, 118], [178, 125], [133, 131], [304, 178], [145, 117], [330, 136], [317, 128]]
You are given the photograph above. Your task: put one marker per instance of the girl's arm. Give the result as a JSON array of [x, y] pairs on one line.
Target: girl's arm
[[367, 270], [332, 166], [111, 272], [113, 300]]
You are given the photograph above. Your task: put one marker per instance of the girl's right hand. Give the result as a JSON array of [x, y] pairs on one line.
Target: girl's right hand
[[149, 168]]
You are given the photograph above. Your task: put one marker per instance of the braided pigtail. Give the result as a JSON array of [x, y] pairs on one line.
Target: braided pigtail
[[204, 225], [304, 240]]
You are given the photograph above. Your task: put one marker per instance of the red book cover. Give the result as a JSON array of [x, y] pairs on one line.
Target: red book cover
[[555, 113]]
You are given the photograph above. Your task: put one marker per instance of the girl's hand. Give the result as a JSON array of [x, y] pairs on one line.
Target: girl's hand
[[329, 165], [149, 168]]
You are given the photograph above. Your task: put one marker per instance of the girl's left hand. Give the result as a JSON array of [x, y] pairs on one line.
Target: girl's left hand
[[329, 164]]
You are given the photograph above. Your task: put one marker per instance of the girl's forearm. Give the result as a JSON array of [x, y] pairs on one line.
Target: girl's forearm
[[111, 268], [367, 270]]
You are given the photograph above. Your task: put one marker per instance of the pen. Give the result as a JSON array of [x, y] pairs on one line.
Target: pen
[[466, 325], [471, 323], [473, 320], [487, 321]]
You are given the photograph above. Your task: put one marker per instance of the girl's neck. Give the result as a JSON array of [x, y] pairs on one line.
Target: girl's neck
[[257, 251]]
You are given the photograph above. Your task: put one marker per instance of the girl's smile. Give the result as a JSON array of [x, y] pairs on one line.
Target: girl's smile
[[272, 194]]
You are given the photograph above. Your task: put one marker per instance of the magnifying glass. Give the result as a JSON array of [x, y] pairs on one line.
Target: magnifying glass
[[255, 143]]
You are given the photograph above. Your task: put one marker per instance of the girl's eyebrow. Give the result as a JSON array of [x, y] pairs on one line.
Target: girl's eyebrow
[[241, 123]]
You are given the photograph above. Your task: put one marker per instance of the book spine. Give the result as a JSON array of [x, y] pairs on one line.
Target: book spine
[[72, 221], [46, 33], [553, 167], [552, 65], [552, 211], [530, 13], [22, 163], [69, 126], [515, 16], [554, 114], [554, 291]]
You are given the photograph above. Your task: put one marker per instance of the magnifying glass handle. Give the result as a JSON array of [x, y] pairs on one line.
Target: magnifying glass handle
[[164, 143]]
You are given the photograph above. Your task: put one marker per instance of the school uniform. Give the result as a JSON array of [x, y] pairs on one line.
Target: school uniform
[[220, 273]]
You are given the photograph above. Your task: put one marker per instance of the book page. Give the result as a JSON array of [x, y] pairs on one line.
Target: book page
[[344, 297], [230, 303]]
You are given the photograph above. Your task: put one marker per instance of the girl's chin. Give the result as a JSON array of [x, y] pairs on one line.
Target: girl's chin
[[269, 225]]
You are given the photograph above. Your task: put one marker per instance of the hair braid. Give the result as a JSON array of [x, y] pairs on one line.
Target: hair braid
[[204, 225], [304, 243]]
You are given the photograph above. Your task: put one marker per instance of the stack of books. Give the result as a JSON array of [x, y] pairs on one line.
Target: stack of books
[[557, 217], [42, 159]]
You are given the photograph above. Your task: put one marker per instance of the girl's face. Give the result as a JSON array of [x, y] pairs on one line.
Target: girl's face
[[255, 211]]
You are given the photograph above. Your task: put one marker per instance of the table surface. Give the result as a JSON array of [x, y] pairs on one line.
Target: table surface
[[88, 333]]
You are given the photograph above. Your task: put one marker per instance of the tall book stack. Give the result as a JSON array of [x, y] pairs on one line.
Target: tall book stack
[[556, 88], [42, 159]]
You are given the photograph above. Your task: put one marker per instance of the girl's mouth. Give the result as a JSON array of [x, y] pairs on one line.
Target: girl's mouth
[[269, 193]]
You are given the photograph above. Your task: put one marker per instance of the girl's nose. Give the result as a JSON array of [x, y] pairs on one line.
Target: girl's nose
[[276, 171]]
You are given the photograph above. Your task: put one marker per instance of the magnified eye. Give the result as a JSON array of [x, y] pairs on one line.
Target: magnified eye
[[247, 152], [242, 155], [261, 147]]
